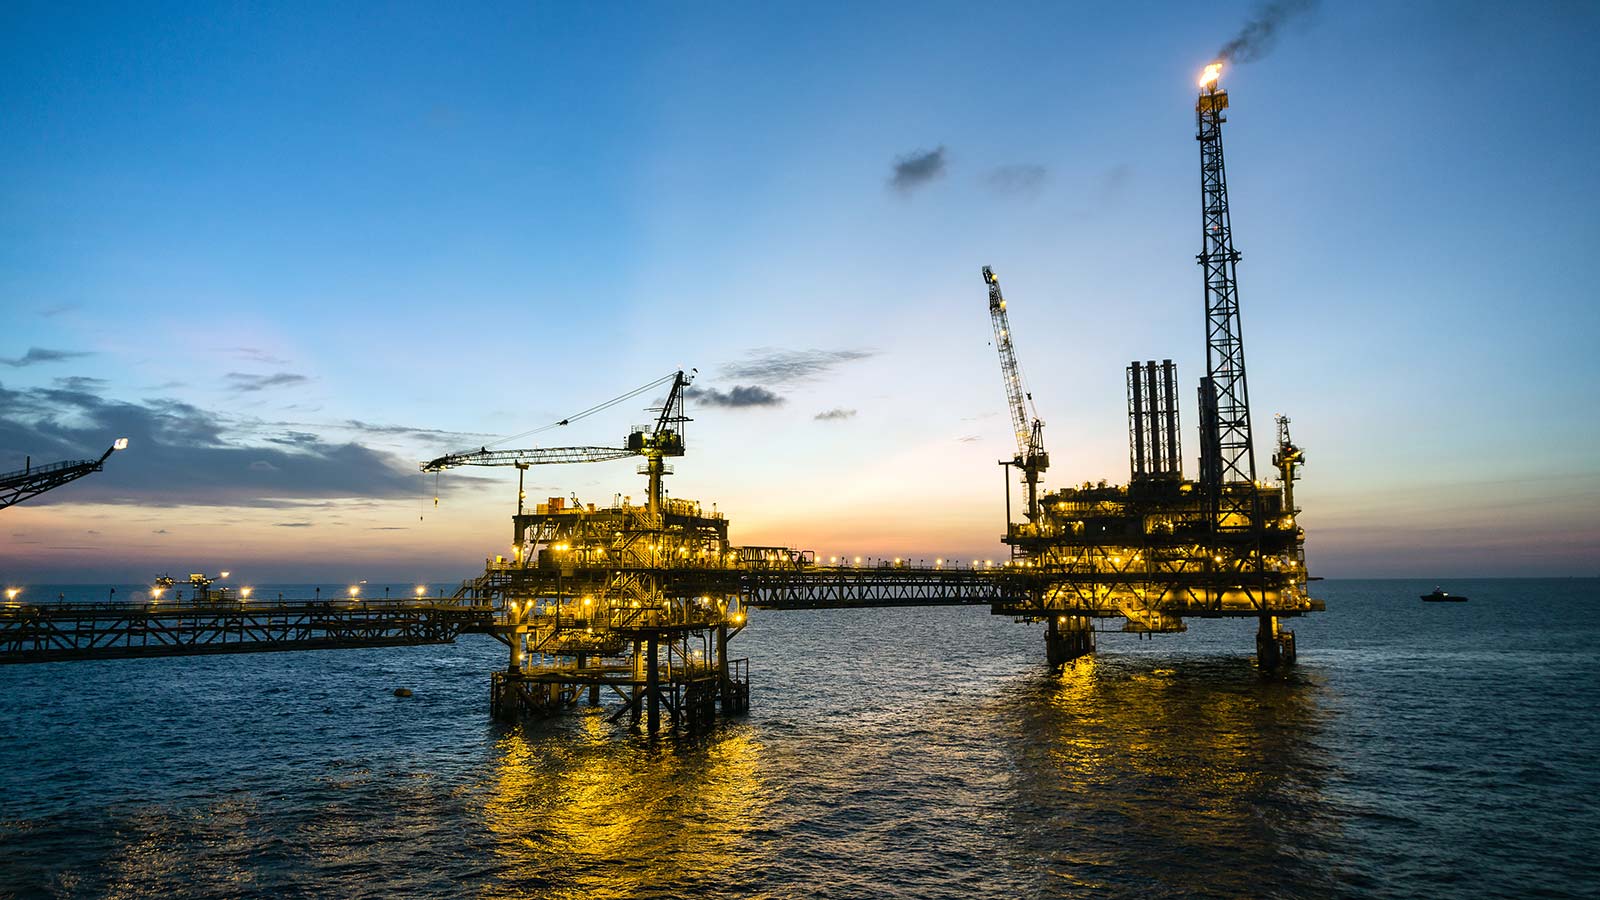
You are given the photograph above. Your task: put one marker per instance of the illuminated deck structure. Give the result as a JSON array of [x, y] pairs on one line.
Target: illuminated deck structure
[[639, 602]]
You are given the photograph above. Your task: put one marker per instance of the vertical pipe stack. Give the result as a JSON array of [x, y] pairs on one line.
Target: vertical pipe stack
[[1154, 450]]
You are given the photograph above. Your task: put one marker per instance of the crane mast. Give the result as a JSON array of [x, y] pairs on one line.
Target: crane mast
[[1031, 457]]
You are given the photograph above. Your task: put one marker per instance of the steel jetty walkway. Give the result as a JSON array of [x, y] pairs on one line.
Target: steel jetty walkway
[[790, 579], [81, 631]]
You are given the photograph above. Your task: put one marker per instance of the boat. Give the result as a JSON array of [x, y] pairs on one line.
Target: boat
[[1440, 595]]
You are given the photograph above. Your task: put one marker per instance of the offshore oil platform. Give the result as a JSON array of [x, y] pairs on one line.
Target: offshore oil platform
[[1162, 548], [638, 603]]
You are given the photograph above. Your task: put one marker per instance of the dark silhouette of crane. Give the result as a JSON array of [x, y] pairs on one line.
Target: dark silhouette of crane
[[1031, 459], [30, 481]]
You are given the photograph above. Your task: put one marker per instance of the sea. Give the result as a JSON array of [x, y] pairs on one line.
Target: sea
[[1419, 750]]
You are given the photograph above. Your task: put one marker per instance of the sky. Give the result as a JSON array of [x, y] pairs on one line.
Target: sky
[[291, 250]]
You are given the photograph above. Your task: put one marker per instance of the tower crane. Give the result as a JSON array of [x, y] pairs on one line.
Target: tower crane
[[1031, 457], [657, 443], [31, 481]]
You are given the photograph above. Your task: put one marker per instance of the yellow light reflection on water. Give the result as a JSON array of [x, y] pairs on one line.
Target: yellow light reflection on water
[[608, 817], [1184, 754]]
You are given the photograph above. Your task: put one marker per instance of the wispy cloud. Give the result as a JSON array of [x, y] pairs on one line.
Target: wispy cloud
[[767, 365], [917, 169], [408, 431], [255, 354], [834, 415], [79, 383], [291, 524], [245, 382], [736, 397], [37, 355], [1023, 178]]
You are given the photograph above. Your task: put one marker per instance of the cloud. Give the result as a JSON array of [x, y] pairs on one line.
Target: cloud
[[917, 169], [1022, 178], [255, 354], [737, 397], [295, 439], [36, 355], [968, 438], [1257, 36], [409, 431], [247, 382], [291, 524], [58, 310], [78, 383], [834, 415], [772, 366], [181, 455]]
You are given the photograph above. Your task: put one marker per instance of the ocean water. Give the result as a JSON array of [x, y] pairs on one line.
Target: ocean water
[[1420, 750]]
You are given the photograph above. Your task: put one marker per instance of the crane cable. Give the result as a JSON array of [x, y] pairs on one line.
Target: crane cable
[[567, 421], [586, 413]]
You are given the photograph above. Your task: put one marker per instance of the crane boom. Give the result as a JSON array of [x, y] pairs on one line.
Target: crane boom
[[1031, 457], [530, 457]]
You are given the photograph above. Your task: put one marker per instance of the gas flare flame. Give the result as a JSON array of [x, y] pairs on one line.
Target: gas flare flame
[[1211, 74]]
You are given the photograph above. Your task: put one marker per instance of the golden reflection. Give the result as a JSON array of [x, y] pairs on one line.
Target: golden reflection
[[1142, 764], [588, 815]]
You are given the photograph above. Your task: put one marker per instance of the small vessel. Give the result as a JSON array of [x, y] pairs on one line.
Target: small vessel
[[1440, 595]]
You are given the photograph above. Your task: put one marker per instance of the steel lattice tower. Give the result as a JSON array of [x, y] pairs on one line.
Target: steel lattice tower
[[1227, 451]]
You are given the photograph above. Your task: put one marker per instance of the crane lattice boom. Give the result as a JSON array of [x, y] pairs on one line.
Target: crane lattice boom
[[1016, 396], [530, 457], [1031, 457]]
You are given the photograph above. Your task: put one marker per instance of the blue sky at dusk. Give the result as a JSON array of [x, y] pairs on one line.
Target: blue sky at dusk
[[291, 250]]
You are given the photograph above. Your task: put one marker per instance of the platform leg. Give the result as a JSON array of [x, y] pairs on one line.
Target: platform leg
[[1067, 638], [1275, 649], [652, 680]]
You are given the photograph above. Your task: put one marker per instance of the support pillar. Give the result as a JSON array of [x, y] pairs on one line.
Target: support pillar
[[1067, 638], [724, 689], [1275, 650], [652, 682]]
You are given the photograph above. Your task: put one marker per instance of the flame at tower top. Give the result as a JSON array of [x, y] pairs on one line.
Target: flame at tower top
[[1211, 74]]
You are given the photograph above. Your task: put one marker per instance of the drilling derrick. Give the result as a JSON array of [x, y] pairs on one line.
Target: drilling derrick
[[1161, 549], [1227, 454], [632, 602], [1031, 459]]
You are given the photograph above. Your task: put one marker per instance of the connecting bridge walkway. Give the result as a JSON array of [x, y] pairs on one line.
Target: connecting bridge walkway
[[82, 631]]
